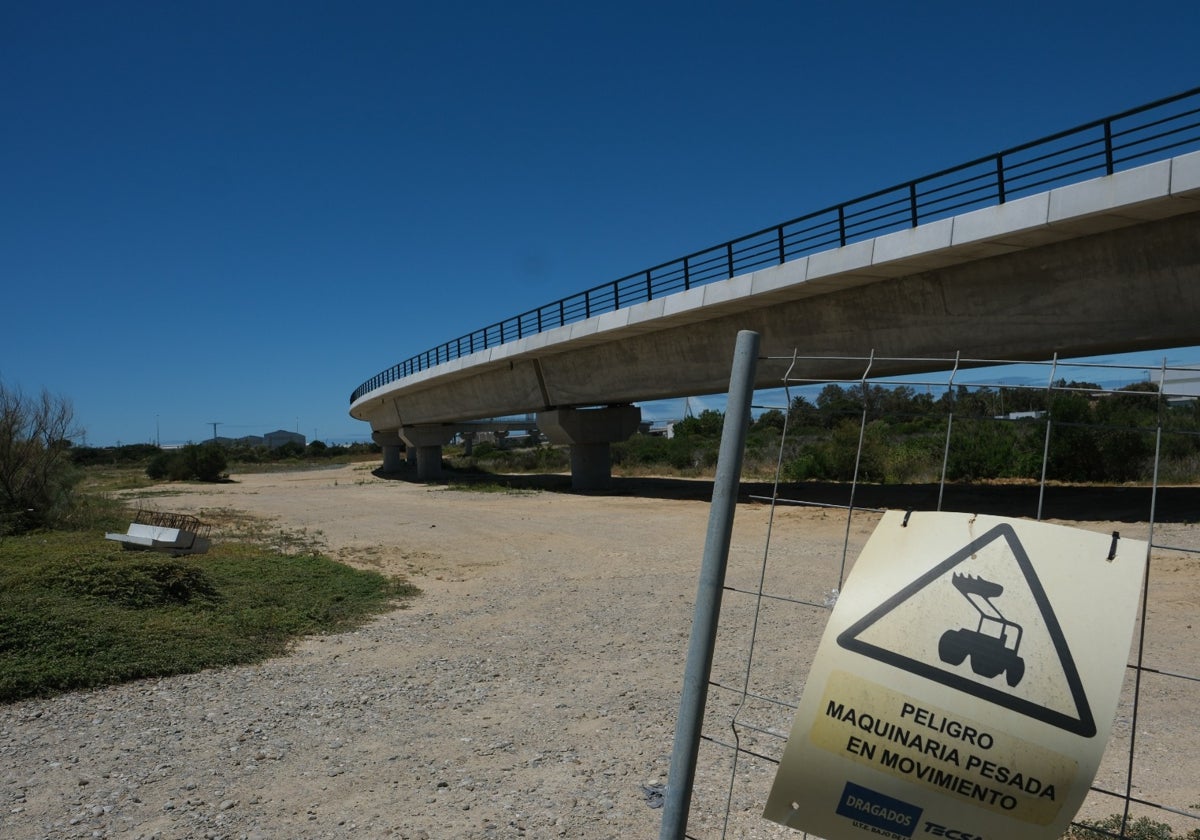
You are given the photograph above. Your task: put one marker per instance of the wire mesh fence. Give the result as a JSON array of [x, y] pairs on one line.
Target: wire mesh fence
[[1097, 446]]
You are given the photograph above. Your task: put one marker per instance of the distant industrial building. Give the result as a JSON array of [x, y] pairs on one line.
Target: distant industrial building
[[1179, 385], [279, 437]]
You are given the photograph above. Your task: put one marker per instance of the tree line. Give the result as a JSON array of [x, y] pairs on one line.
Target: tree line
[[1082, 432], [40, 466], [1074, 431]]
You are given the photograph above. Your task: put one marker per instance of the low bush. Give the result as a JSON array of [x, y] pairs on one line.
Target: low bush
[[78, 612], [201, 462], [1141, 828], [37, 477]]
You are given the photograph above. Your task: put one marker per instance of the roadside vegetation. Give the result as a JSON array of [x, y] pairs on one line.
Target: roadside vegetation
[[994, 434], [1139, 828], [76, 611]]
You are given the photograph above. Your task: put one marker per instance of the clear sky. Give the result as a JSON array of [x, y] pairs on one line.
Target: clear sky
[[236, 212]]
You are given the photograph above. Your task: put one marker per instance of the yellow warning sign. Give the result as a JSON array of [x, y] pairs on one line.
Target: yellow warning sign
[[966, 681]]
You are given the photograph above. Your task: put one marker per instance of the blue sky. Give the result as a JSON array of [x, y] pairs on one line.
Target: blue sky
[[236, 212]]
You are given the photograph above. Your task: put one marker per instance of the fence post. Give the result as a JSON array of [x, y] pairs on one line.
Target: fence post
[[688, 726]]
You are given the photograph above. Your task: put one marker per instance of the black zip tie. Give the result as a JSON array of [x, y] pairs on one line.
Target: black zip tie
[[1112, 549], [907, 514]]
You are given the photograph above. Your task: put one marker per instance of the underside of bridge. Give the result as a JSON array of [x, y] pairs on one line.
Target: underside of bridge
[[1112, 283]]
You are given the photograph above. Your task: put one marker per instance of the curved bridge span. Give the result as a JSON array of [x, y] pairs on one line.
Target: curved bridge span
[[1101, 265]]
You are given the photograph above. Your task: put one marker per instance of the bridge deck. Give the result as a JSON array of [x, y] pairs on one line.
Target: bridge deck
[[1106, 265]]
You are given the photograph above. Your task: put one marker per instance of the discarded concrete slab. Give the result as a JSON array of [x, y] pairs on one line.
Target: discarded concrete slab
[[171, 533]]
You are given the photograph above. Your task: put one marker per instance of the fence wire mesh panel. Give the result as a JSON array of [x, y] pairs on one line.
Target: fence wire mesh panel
[[1097, 446]]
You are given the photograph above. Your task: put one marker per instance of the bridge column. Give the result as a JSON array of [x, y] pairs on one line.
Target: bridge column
[[590, 432], [390, 441], [428, 442]]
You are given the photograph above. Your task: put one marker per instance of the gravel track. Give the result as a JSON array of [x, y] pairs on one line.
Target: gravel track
[[530, 691]]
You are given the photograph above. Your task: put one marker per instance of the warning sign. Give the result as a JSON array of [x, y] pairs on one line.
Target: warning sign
[[966, 681], [976, 640], [887, 731]]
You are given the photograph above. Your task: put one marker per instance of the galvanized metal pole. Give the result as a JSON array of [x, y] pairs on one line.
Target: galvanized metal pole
[[708, 591]]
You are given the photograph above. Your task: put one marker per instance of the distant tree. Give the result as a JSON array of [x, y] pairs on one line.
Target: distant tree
[[203, 462], [772, 418], [836, 403], [160, 466], [36, 479], [291, 449], [707, 424], [206, 462]]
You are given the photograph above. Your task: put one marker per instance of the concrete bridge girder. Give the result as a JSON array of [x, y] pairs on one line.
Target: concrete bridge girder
[[1105, 266], [1119, 291]]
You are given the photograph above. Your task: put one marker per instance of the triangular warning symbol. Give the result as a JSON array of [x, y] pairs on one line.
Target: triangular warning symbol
[[982, 658]]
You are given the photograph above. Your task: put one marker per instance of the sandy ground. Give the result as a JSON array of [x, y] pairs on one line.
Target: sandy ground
[[532, 689]]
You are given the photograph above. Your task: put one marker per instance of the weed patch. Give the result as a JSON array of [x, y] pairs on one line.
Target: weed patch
[[1141, 828], [489, 487], [77, 612]]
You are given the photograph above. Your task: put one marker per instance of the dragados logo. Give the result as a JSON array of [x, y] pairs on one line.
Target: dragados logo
[[878, 810]]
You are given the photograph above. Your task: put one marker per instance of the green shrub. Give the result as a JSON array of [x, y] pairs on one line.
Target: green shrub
[[1142, 828], [160, 466], [143, 583], [206, 462], [291, 449], [77, 612], [980, 449], [37, 477], [484, 449], [200, 462]]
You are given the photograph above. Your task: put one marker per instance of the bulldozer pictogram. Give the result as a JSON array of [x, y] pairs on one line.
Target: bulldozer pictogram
[[994, 651]]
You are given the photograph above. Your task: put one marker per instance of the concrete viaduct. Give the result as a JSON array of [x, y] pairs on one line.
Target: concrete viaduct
[[1104, 265]]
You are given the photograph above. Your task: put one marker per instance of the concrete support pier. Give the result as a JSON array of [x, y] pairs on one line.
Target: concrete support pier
[[590, 433], [427, 442], [392, 444]]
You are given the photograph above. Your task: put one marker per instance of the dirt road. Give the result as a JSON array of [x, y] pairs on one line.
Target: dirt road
[[531, 690]]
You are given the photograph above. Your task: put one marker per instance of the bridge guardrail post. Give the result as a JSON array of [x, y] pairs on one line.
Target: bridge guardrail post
[[1108, 147]]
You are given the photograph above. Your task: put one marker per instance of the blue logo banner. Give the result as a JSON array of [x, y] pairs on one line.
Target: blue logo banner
[[878, 810]]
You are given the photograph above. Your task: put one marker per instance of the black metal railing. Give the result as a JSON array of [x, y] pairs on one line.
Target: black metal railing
[[1151, 132]]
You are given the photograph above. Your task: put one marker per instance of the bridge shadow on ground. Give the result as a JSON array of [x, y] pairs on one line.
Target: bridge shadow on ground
[[1060, 502]]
